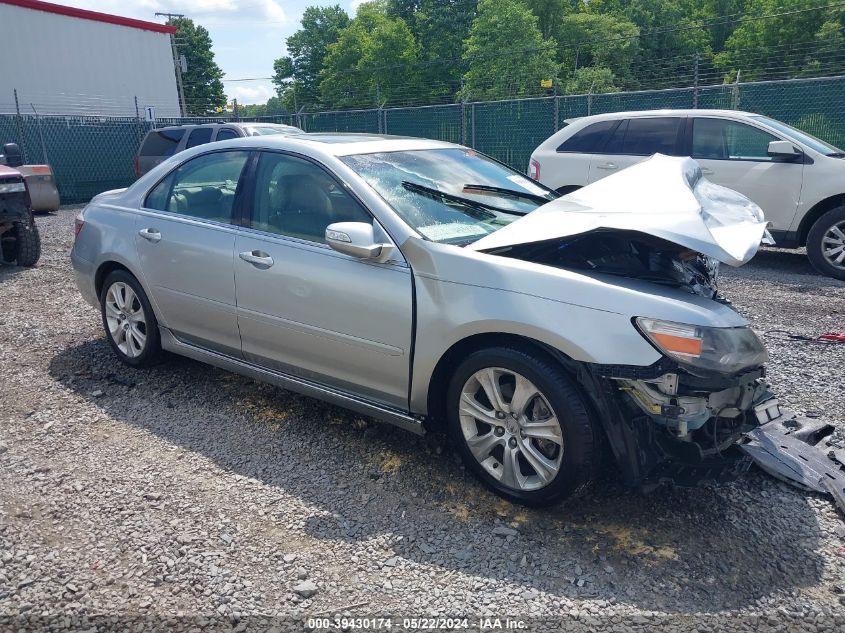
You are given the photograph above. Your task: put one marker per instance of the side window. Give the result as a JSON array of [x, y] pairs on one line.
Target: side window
[[199, 136], [644, 136], [226, 133], [295, 197], [161, 142], [204, 187], [589, 140], [651, 135], [720, 139]]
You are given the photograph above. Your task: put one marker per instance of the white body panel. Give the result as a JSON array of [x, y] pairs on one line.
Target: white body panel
[[71, 65]]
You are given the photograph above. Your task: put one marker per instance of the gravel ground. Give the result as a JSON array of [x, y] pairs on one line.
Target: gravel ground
[[189, 497]]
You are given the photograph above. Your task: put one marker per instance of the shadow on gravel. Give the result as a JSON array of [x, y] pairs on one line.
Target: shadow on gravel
[[681, 551], [788, 267]]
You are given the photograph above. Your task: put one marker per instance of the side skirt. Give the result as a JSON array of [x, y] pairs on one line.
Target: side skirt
[[307, 388]]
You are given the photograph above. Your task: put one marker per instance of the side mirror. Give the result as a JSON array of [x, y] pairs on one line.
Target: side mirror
[[12, 155], [356, 239], [783, 150]]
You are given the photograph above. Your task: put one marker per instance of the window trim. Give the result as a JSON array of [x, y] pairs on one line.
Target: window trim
[[233, 222], [691, 131], [249, 196], [680, 135]]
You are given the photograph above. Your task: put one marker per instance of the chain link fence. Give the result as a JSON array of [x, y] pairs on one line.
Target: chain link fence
[[91, 154]]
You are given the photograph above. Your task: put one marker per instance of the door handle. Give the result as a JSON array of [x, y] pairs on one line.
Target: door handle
[[706, 171], [151, 235], [607, 166], [257, 258]]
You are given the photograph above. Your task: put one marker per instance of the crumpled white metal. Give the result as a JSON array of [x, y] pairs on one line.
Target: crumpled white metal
[[662, 196]]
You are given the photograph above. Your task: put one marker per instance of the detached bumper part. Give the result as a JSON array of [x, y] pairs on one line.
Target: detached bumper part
[[796, 450]]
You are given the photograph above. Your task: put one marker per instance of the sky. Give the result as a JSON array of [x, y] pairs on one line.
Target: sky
[[248, 35]]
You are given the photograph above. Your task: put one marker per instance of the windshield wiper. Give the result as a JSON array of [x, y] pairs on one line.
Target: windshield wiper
[[512, 193], [836, 155], [481, 207]]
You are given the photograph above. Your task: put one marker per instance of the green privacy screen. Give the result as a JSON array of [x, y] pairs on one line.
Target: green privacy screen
[[94, 154]]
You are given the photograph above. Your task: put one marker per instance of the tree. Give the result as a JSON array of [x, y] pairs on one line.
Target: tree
[[506, 53], [297, 75], [202, 81], [669, 41], [597, 39], [550, 13], [787, 45], [592, 80], [440, 28], [372, 62]]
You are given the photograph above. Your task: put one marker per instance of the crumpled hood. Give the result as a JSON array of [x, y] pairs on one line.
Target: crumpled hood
[[662, 196]]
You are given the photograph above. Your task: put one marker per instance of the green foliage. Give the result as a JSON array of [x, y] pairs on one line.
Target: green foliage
[[668, 49], [297, 75], [372, 62], [595, 80], [597, 39], [550, 13], [506, 25], [788, 45], [202, 82]]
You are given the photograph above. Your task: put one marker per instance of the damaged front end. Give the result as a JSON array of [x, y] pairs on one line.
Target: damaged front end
[[704, 411]]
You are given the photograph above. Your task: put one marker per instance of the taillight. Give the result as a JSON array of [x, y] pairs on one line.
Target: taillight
[[77, 226], [534, 170], [137, 167]]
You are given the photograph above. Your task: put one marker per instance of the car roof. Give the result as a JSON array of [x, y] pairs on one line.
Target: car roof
[[183, 126], [610, 116], [339, 143]]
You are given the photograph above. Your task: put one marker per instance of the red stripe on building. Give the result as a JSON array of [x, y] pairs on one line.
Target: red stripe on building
[[96, 16]]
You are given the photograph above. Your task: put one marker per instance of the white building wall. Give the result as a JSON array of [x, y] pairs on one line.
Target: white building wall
[[70, 65]]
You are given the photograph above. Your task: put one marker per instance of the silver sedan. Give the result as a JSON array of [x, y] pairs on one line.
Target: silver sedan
[[432, 287]]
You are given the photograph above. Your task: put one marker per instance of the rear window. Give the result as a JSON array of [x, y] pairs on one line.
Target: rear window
[[589, 140], [644, 136], [199, 136], [161, 142]]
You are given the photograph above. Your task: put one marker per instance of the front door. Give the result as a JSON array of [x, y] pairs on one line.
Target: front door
[[308, 310], [185, 240], [735, 155]]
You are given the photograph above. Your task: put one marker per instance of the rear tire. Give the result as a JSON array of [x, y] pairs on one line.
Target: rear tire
[[27, 243], [826, 244], [129, 321], [533, 441]]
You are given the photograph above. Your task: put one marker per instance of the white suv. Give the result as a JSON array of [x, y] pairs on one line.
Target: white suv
[[797, 179]]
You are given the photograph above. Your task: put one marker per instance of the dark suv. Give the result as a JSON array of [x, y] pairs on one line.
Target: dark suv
[[162, 143]]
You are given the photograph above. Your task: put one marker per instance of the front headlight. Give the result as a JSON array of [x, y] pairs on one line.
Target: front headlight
[[12, 187], [723, 349]]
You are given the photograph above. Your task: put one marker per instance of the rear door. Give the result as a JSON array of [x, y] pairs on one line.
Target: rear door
[[185, 238], [307, 310], [735, 155], [636, 139], [570, 166]]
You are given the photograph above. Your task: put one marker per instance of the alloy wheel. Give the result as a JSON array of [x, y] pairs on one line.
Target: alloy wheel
[[833, 245], [511, 429], [125, 319]]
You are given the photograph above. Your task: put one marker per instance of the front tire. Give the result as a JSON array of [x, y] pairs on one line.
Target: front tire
[[27, 243], [826, 244], [521, 426], [129, 321]]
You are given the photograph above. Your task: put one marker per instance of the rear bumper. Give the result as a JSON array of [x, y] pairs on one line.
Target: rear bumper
[[83, 273]]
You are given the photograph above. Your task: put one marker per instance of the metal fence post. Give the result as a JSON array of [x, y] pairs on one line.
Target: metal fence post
[[557, 105], [384, 120], [590, 102], [472, 115], [19, 125], [695, 84], [463, 111], [40, 134]]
